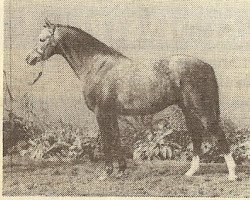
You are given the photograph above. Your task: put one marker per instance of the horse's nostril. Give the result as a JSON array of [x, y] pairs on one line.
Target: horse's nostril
[[27, 59], [33, 61]]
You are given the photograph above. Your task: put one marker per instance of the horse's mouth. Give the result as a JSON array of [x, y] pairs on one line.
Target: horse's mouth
[[32, 60]]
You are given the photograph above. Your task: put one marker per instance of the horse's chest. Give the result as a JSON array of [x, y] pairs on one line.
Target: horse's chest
[[90, 100]]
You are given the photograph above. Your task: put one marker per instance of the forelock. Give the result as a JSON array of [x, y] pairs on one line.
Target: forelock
[[46, 32]]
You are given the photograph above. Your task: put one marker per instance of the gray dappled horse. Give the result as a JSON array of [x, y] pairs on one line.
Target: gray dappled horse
[[115, 85]]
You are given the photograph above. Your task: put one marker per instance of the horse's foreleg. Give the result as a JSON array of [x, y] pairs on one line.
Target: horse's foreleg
[[109, 130], [105, 126], [231, 166], [117, 147], [120, 154]]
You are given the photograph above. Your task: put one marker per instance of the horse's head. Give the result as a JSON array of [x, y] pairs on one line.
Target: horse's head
[[46, 45]]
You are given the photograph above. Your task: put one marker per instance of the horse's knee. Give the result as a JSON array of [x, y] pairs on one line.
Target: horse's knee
[[222, 142], [109, 167], [223, 146], [122, 164], [197, 142]]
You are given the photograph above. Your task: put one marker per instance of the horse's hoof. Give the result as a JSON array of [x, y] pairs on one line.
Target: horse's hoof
[[121, 174], [104, 176], [232, 177], [189, 173]]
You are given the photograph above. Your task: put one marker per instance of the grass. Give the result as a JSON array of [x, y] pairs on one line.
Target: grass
[[23, 177]]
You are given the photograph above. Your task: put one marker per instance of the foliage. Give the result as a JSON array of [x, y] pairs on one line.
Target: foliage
[[143, 138], [16, 133], [150, 138], [65, 142], [157, 143]]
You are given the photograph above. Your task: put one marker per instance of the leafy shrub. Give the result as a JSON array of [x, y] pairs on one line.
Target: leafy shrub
[[156, 143], [61, 142], [142, 138], [64, 144], [16, 133]]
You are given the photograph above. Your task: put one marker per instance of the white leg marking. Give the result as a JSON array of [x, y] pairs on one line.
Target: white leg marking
[[194, 166], [103, 176], [231, 166]]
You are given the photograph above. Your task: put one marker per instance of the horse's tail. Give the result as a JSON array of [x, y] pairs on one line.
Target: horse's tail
[[213, 123], [212, 101], [216, 101]]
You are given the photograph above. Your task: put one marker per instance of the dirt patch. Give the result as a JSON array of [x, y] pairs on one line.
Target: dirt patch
[[22, 177]]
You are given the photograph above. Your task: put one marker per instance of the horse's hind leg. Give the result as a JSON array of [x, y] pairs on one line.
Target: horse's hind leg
[[195, 129], [223, 146]]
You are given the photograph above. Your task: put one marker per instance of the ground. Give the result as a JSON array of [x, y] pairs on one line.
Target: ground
[[159, 178]]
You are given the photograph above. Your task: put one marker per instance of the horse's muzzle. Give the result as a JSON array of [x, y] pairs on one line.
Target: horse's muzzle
[[33, 58]]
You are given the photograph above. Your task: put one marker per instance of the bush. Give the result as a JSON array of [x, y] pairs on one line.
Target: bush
[[142, 138], [16, 134], [62, 142], [158, 144]]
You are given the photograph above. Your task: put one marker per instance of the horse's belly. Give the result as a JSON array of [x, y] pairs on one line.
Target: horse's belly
[[144, 99], [140, 108]]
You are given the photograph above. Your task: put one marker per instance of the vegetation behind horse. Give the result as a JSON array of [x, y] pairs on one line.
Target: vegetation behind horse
[[62, 141]]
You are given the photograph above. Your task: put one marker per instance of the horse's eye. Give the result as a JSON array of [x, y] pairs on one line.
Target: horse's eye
[[42, 40]]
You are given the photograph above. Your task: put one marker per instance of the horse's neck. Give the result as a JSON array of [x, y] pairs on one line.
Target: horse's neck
[[79, 64], [87, 57], [86, 66]]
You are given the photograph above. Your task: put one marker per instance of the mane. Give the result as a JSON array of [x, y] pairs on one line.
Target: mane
[[102, 46]]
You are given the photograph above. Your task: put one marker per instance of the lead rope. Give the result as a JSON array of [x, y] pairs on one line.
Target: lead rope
[[40, 73]]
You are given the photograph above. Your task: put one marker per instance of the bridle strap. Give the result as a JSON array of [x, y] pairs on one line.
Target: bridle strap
[[51, 38], [43, 61], [39, 52]]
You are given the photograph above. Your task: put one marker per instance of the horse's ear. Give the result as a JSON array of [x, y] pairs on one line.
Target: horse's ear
[[47, 22]]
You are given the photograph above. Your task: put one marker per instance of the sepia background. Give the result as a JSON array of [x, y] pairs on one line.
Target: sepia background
[[215, 32], [50, 146]]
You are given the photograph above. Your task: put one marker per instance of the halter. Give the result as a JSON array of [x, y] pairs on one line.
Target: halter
[[41, 53]]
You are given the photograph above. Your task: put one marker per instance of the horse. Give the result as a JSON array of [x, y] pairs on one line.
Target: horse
[[115, 85]]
